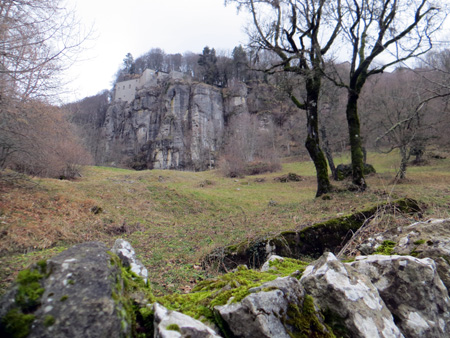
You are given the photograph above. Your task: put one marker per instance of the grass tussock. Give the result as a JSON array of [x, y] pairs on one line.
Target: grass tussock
[[174, 218]]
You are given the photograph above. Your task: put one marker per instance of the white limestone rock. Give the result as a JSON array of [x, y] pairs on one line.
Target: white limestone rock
[[351, 296], [413, 292], [429, 238], [127, 255], [173, 324]]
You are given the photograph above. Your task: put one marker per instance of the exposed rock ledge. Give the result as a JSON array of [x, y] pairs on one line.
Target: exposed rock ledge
[[87, 292]]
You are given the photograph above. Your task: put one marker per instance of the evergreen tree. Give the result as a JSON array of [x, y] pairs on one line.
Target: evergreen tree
[[208, 61], [128, 63], [240, 63]]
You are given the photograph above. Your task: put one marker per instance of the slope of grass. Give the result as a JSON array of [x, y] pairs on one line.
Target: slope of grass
[[173, 218]]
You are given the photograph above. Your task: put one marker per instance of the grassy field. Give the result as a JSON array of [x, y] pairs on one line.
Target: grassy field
[[174, 218]]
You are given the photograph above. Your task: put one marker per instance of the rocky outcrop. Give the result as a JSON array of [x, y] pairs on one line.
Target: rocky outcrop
[[126, 253]]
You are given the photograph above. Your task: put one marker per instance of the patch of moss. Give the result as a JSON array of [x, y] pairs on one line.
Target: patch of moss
[[173, 327], [16, 324], [304, 322], [287, 266], [64, 298], [127, 284], [49, 320], [414, 253], [419, 242], [232, 287], [29, 290], [42, 264], [386, 248], [336, 323]]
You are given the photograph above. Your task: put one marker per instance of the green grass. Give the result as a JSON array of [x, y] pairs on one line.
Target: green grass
[[173, 218]]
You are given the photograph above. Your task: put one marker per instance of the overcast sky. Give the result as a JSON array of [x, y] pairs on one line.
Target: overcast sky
[[136, 26]]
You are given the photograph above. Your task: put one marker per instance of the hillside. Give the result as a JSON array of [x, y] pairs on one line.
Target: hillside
[[174, 218]]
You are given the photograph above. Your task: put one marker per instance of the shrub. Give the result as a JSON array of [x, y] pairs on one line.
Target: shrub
[[47, 145]]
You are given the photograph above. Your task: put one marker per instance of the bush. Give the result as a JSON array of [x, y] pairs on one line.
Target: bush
[[232, 167], [47, 145], [260, 167]]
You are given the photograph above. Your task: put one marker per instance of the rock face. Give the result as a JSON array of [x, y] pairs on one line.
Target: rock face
[[277, 309], [173, 324], [69, 296], [350, 296], [412, 291], [176, 124]]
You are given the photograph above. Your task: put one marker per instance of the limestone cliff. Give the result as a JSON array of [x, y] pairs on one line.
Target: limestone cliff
[[176, 124]]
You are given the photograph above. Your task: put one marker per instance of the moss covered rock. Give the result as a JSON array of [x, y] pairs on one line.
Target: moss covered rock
[[310, 242], [74, 294], [279, 308]]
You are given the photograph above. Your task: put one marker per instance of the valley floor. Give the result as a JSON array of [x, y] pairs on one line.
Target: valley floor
[[174, 218]]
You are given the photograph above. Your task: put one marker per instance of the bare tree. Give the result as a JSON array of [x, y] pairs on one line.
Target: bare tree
[[400, 116], [38, 40], [300, 33], [382, 33]]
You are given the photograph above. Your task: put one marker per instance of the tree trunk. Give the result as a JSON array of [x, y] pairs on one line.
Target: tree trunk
[[312, 142], [404, 163], [354, 131], [328, 153]]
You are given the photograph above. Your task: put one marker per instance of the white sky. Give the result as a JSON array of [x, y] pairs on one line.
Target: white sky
[[136, 26]]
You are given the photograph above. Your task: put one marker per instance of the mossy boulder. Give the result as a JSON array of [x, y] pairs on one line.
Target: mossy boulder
[[310, 242], [280, 308], [78, 293]]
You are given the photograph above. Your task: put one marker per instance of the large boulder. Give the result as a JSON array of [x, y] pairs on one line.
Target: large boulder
[[349, 296], [74, 294], [413, 292], [173, 324], [279, 308], [428, 239]]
